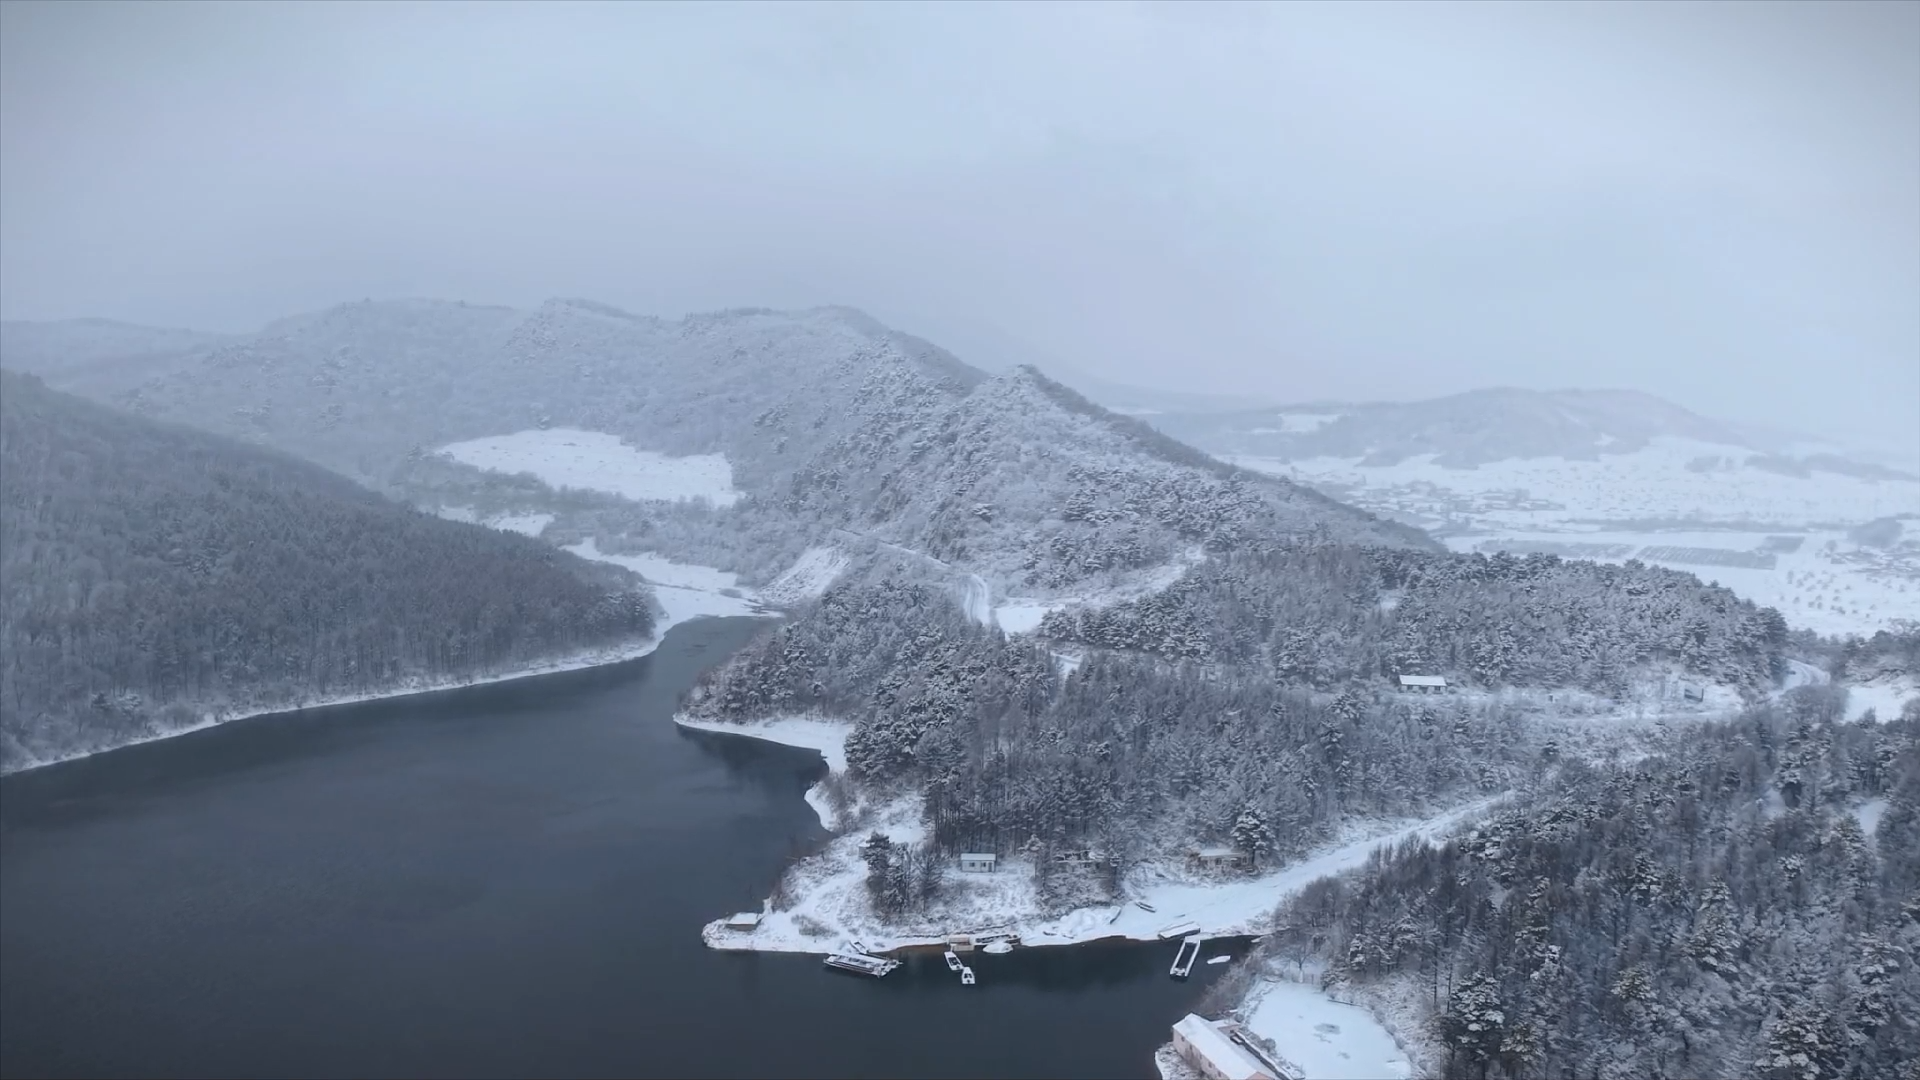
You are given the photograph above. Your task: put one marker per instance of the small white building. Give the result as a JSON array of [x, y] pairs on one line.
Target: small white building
[[974, 862], [1216, 857], [1210, 1049], [1423, 684], [744, 920]]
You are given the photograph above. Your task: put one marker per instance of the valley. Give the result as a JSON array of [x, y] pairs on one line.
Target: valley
[[1013, 621]]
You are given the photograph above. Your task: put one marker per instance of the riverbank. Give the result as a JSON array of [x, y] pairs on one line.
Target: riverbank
[[821, 903], [686, 605]]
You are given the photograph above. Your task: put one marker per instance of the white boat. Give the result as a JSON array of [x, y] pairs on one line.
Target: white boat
[[953, 961], [875, 966], [997, 947], [966, 976]]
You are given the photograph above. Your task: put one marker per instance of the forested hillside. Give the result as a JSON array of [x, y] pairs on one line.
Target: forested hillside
[[1131, 756], [1323, 615], [828, 421], [150, 574], [1746, 905]]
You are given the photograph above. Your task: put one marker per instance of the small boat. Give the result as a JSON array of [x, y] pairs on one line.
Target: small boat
[[998, 947], [875, 966], [1218, 959], [1144, 906], [953, 961], [966, 977]]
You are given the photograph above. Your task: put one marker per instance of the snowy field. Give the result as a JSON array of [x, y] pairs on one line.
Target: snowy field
[[1327, 1039], [826, 895], [596, 461], [1668, 479], [686, 591], [1827, 583], [1885, 697]]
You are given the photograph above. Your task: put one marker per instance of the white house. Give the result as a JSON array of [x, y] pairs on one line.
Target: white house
[[1424, 684], [974, 862], [1210, 1049]]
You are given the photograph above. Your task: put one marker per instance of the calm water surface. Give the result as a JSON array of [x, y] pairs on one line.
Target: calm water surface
[[502, 881]]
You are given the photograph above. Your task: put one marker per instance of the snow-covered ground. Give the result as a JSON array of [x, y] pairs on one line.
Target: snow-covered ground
[[827, 895], [1868, 814], [686, 591], [810, 575], [1886, 697], [1327, 1039], [524, 524], [1671, 478], [1019, 615], [596, 461], [1827, 584]]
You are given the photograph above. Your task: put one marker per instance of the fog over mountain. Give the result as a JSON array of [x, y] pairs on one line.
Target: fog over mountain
[[1419, 502], [1713, 203]]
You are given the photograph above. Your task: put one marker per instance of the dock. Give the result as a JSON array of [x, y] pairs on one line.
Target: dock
[[861, 964], [1183, 962]]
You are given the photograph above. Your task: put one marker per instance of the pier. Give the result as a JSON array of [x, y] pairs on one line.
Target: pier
[[1183, 962]]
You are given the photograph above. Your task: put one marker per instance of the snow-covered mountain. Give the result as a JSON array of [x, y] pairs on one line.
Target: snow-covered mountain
[[1607, 475], [808, 422]]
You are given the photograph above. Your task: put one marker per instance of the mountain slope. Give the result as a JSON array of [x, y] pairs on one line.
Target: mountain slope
[[826, 419], [150, 574]]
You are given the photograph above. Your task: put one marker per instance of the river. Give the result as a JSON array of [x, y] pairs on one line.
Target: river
[[507, 880]]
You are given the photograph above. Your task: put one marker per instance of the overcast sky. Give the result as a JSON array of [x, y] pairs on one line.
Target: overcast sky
[[1718, 203]]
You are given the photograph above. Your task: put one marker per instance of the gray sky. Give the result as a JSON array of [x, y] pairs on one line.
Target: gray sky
[[1719, 202]]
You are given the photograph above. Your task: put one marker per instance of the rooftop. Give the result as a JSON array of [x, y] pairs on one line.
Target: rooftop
[[1227, 1057]]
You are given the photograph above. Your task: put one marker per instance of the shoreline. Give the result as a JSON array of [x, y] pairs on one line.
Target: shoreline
[[576, 662], [826, 908]]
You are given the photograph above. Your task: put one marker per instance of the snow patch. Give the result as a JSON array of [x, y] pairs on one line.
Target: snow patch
[[684, 590], [1327, 1039], [524, 524], [1868, 815], [596, 461], [810, 575], [1017, 615], [1886, 697]]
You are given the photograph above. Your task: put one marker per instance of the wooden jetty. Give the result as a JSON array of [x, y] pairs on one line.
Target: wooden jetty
[[861, 964], [1183, 961]]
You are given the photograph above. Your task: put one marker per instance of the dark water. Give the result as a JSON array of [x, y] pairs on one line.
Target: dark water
[[501, 881]]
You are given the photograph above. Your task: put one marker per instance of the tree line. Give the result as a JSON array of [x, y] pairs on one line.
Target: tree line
[[151, 573]]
